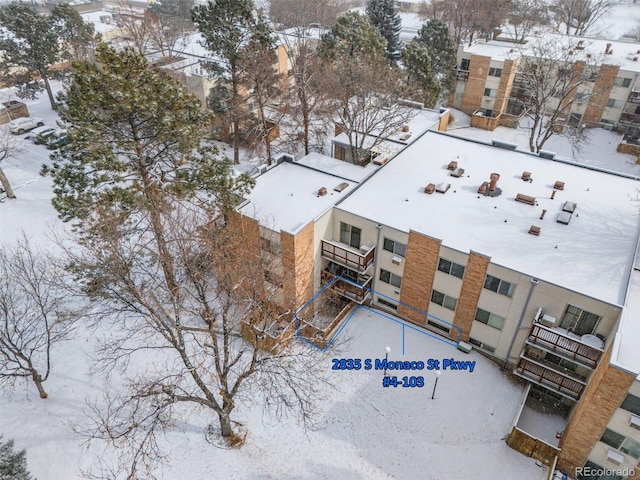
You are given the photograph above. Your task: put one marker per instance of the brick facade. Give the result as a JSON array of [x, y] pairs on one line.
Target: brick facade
[[601, 398], [601, 92], [504, 88], [297, 261], [474, 88], [472, 284], [421, 262]]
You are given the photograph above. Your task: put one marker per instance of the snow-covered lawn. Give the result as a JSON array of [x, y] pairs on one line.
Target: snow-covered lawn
[[366, 431]]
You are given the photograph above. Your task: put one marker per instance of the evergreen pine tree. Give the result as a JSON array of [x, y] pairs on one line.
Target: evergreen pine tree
[[383, 15], [430, 63], [13, 465]]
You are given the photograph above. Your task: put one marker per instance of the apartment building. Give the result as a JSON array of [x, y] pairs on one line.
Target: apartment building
[[488, 86], [528, 259]]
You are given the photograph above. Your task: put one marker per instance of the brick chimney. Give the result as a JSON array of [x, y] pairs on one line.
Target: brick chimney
[[493, 181]]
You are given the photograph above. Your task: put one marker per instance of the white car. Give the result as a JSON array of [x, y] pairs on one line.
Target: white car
[[38, 132], [24, 124]]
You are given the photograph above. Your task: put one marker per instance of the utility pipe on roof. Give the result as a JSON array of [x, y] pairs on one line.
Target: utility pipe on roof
[[534, 282]]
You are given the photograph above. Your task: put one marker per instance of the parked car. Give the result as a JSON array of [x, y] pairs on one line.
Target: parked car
[[24, 124], [56, 140], [38, 133]]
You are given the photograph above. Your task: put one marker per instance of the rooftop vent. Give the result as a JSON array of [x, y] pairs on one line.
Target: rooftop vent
[[443, 187], [534, 230], [380, 160], [580, 45], [430, 188], [493, 181], [558, 185], [608, 50], [341, 187], [569, 207], [525, 199], [458, 172], [505, 145], [526, 176], [405, 136], [405, 128], [483, 188], [322, 191], [547, 154], [452, 165]]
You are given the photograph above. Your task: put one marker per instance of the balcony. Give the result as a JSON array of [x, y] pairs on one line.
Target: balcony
[[629, 119], [463, 75], [564, 345], [551, 376], [634, 97], [347, 256], [357, 291]]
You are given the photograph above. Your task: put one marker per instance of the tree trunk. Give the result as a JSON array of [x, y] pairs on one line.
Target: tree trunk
[[225, 424], [37, 379], [47, 85], [6, 185]]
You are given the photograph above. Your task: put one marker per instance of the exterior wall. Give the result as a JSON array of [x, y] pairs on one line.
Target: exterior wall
[[420, 267], [443, 124], [601, 92], [601, 398], [472, 283], [504, 88], [474, 88], [297, 262]]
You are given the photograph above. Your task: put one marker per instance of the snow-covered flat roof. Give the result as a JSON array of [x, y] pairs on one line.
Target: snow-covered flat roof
[[592, 254], [338, 168], [621, 53], [286, 198], [626, 348]]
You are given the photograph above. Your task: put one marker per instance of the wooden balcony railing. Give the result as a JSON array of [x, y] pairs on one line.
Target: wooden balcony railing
[[564, 345], [353, 291], [630, 119], [347, 256], [463, 75], [547, 377]]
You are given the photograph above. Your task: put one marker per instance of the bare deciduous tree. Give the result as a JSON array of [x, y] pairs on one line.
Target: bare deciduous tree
[[525, 16], [8, 148], [551, 82], [33, 314], [134, 26], [216, 339], [577, 17], [302, 13]]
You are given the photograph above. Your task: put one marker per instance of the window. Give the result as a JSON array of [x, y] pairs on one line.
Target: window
[[444, 300], [388, 303], [490, 92], [350, 235], [497, 285], [613, 103], [464, 65], [390, 278], [579, 321], [394, 247], [612, 438], [574, 119], [489, 318], [484, 346], [631, 404], [451, 268], [495, 72], [622, 82], [269, 245], [487, 112], [631, 447]]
